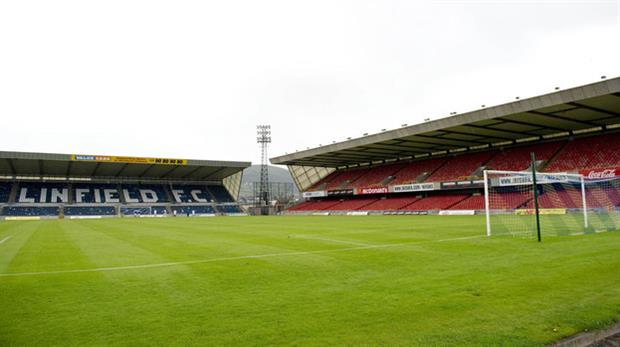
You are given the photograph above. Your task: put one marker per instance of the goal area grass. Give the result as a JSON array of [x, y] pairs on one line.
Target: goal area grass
[[305, 281]]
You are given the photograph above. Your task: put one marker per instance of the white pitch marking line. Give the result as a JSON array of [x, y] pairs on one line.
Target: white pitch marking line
[[5, 239], [332, 240], [202, 261]]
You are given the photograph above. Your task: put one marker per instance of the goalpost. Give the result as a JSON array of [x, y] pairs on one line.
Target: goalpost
[[521, 203]]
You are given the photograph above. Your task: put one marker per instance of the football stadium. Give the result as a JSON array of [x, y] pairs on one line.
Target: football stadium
[[423, 235]]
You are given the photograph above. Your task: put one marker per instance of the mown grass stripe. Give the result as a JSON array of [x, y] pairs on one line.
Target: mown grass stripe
[[258, 256]]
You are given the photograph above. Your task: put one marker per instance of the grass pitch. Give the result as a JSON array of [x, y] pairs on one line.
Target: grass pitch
[[306, 281]]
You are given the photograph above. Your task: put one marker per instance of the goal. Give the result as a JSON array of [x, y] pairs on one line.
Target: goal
[[518, 203]]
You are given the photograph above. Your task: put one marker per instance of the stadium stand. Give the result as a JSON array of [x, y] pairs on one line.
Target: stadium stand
[[588, 153], [59, 185], [519, 158], [442, 161], [572, 156], [5, 191], [143, 210], [417, 171], [603, 196], [193, 209], [352, 205], [315, 205], [89, 211], [346, 178], [228, 208], [437, 202], [191, 193], [461, 167], [32, 192], [509, 199], [134, 193], [474, 202], [220, 194], [30, 211], [95, 193], [379, 176], [391, 204], [92, 194]]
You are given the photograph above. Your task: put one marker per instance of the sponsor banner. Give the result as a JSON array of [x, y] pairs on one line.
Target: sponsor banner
[[600, 173], [340, 192], [413, 187], [320, 213], [552, 211], [84, 217], [548, 211], [524, 212], [22, 218], [373, 190], [357, 213], [315, 194], [129, 160], [457, 212], [541, 178]]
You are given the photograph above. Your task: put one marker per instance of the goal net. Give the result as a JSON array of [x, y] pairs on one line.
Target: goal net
[[567, 203]]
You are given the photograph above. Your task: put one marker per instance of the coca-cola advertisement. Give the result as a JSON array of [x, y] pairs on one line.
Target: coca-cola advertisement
[[597, 174]]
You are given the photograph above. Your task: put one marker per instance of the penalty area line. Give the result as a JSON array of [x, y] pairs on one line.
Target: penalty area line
[[5, 239], [242, 257]]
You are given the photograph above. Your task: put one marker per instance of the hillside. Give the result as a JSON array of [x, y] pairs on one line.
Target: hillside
[[276, 174], [252, 174]]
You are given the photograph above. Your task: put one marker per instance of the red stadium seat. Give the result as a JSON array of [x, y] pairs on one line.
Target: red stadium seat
[[436, 202], [474, 202], [391, 204], [588, 153], [461, 166], [519, 158]]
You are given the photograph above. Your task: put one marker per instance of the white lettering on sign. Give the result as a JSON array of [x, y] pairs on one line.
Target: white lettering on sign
[[97, 195], [194, 193], [541, 178], [148, 195], [373, 190], [43, 196], [60, 195], [80, 193], [413, 187], [108, 194], [177, 194], [128, 198], [598, 174], [23, 196]]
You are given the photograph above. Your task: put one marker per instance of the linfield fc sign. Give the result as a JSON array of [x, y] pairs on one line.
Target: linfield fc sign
[[128, 160]]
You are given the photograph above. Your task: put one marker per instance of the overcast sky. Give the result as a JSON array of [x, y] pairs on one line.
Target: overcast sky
[[191, 79]]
